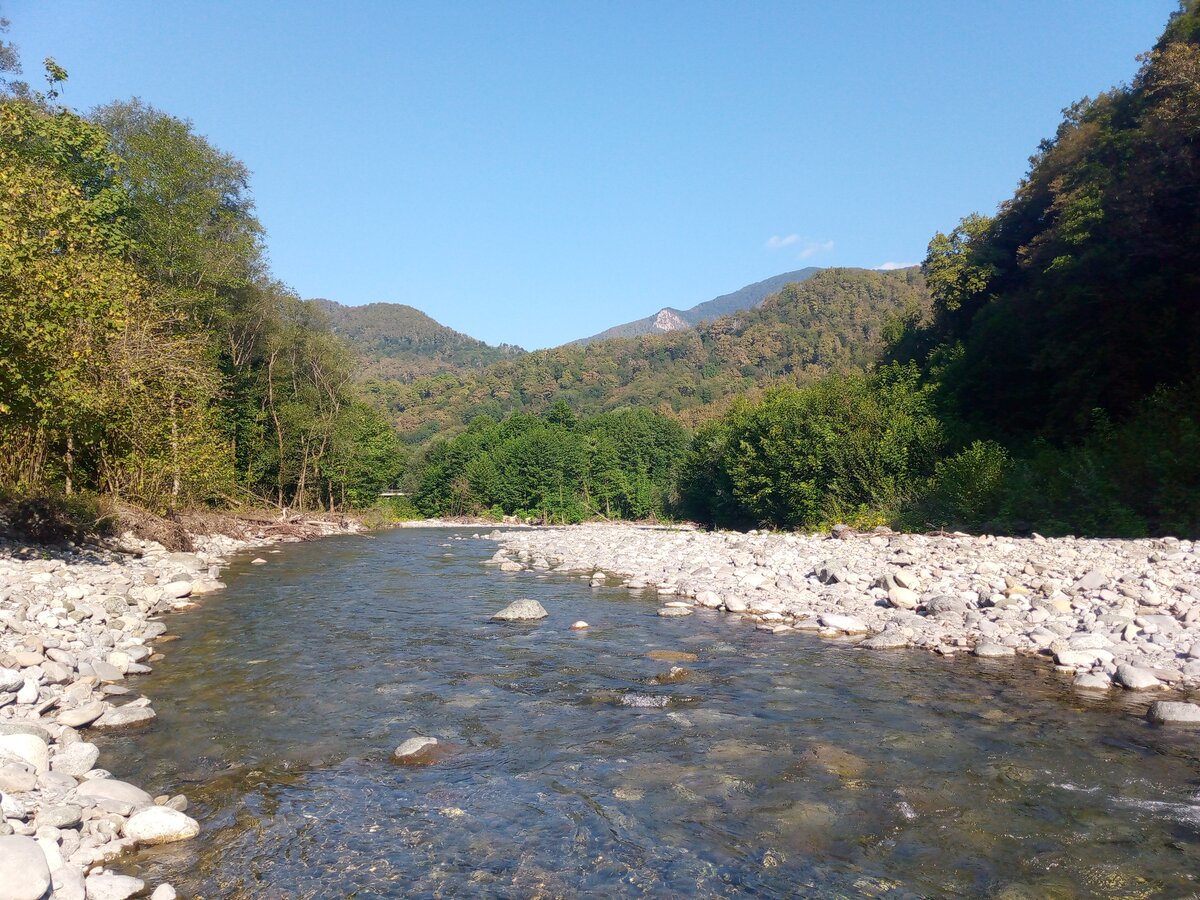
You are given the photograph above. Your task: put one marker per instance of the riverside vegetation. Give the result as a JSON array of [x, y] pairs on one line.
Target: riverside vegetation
[[1049, 382], [1037, 373]]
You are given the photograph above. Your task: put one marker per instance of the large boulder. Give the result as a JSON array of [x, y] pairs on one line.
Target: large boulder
[[27, 747], [521, 611], [1174, 712], [24, 874], [160, 825], [108, 886]]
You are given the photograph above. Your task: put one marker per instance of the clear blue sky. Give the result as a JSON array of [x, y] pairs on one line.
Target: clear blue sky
[[536, 172]]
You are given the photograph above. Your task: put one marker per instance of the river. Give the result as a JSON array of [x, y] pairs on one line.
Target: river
[[770, 766]]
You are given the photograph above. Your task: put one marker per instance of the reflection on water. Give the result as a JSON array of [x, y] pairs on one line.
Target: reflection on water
[[581, 764]]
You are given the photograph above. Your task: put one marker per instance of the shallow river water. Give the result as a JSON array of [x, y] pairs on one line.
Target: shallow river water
[[773, 766]]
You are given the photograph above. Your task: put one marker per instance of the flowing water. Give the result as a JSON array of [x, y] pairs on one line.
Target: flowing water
[[772, 766]]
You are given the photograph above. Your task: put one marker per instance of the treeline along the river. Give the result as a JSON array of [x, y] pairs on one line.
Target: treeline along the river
[[145, 349]]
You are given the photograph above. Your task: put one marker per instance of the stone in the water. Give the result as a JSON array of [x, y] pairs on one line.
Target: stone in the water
[[160, 825], [580, 625], [674, 611], [1173, 712], [108, 886], [1135, 678], [24, 874], [887, 640], [415, 751], [258, 561], [993, 651], [848, 624], [521, 611], [671, 656], [736, 604], [83, 715], [125, 717], [1089, 682]]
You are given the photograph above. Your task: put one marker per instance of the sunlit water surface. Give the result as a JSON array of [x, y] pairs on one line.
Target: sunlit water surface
[[774, 766]]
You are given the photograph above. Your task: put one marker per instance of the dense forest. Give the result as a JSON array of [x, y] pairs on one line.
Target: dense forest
[[556, 467], [835, 321], [1055, 384], [145, 349]]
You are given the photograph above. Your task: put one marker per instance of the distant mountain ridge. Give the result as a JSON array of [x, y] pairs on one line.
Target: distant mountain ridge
[[670, 319], [399, 342]]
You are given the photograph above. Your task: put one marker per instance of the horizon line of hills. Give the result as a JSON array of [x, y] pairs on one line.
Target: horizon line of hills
[[398, 340], [792, 328]]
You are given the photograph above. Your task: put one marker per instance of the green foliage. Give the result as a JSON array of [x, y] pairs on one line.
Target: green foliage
[[556, 468], [966, 490], [848, 447], [832, 322], [399, 343], [144, 351]]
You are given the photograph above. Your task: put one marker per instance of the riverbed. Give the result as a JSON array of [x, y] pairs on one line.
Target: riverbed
[[642, 756]]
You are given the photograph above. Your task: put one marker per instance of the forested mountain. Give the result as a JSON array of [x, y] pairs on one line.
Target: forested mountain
[[394, 341], [1056, 385], [834, 321], [671, 319]]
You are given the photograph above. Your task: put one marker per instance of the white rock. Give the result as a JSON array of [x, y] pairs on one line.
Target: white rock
[[521, 611], [993, 651], [1086, 681], [1135, 678], [160, 825], [1171, 712], [30, 748], [903, 598], [413, 748], [580, 625], [95, 790], [108, 886], [848, 624], [24, 874]]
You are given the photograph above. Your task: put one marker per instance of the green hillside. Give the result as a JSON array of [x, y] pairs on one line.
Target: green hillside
[[401, 343], [835, 321]]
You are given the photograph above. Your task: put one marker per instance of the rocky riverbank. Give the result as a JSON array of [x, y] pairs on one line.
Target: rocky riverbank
[[1109, 613], [75, 624]]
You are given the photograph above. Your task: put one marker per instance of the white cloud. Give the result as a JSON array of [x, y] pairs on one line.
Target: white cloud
[[807, 247], [775, 242], [812, 248], [889, 266]]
